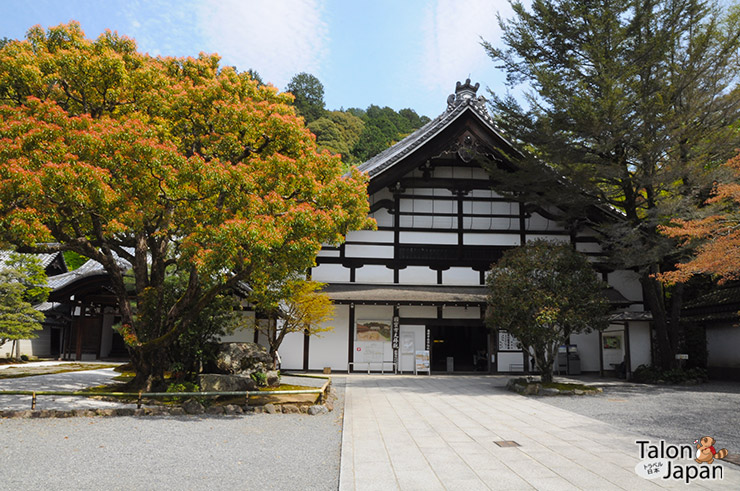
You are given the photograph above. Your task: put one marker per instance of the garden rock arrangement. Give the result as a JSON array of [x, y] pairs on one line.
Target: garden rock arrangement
[[191, 406], [239, 367], [527, 387]]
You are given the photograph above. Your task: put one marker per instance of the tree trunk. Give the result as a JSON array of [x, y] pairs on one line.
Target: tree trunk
[[666, 339], [150, 366]]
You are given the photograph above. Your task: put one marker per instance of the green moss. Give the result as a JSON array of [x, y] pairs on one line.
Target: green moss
[[559, 386]]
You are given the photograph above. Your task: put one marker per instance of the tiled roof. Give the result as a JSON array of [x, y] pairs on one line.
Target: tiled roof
[[403, 293], [457, 104], [45, 259]]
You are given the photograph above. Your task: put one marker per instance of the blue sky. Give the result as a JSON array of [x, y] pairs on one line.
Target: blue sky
[[397, 53]]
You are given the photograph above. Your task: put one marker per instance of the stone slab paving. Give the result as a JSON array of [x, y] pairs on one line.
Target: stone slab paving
[[438, 432]]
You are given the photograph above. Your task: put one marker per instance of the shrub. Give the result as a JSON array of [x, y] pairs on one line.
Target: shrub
[[651, 375], [260, 378]]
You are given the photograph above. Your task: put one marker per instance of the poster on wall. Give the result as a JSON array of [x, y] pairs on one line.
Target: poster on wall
[[369, 352], [422, 361], [373, 330], [612, 342], [407, 343]]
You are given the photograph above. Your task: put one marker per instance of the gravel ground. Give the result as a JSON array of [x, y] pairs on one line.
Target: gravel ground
[[258, 451], [68, 381], [678, 415]]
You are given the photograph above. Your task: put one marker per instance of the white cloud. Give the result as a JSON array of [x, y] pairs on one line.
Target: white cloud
[[278, 38], [452, 37]]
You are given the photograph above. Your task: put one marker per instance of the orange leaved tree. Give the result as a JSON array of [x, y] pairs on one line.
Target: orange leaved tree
[[175, 165], [715, 237]]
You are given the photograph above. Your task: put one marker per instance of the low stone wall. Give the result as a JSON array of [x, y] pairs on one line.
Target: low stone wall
[[189, 407]]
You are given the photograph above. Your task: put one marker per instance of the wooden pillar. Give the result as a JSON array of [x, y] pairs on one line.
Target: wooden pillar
[[351, 341], [601, 353], [627, 352], [306, 340]]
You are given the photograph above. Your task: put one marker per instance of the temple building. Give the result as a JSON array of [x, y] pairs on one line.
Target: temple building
[[414, 289]]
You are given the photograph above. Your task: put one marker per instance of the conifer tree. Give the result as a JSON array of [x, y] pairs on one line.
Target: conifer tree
[[635, 102]]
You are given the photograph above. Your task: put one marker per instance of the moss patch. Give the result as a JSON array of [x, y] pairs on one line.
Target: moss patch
[[532, 388]]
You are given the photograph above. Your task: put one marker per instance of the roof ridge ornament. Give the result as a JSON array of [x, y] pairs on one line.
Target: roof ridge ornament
[[465, 93]]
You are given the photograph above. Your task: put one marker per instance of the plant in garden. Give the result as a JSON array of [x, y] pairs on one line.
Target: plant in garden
[[294, 306], [148, 164], [541, 293], [22, 285]]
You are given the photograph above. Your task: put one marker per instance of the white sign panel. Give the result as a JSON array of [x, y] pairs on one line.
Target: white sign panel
[[422, 361]]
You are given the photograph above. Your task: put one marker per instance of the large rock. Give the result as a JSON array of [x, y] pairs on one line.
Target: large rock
[[242, 358], [191, 406], [217, 382]]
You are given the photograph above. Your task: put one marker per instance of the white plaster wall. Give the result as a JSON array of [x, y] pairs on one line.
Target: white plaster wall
[[383, 193], [627, 283], [417, 311], [380, 236], [40, 346], [382, 218], [106, 335], [407, 361], [472, 312], [328, 273], [428, 238], [373, 273], [460, 276], [479, 173], [416, 205], [416, 275], [536, 222], [506, 359], [328, 253], [588, 350], [291, 351], [372, 251], [244, 333], [492, 239], [613, 356], [329, 349], [640, 344], [484, 193], [722, 345]]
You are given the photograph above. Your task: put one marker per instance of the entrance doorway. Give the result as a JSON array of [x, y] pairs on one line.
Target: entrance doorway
[[466, 346]]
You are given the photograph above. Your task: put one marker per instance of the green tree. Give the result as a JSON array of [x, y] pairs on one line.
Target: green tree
[[162, 163], [22, 285], [635, 102], [309, 95], [541, 293], [293, 306], [382, 128], [197, 346], [338, 132], [254, 75]]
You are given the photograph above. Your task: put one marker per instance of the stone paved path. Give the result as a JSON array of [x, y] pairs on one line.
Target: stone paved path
[[426, 433]]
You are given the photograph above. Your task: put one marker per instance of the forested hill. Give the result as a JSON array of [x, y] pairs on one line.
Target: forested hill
[[355, 134]]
